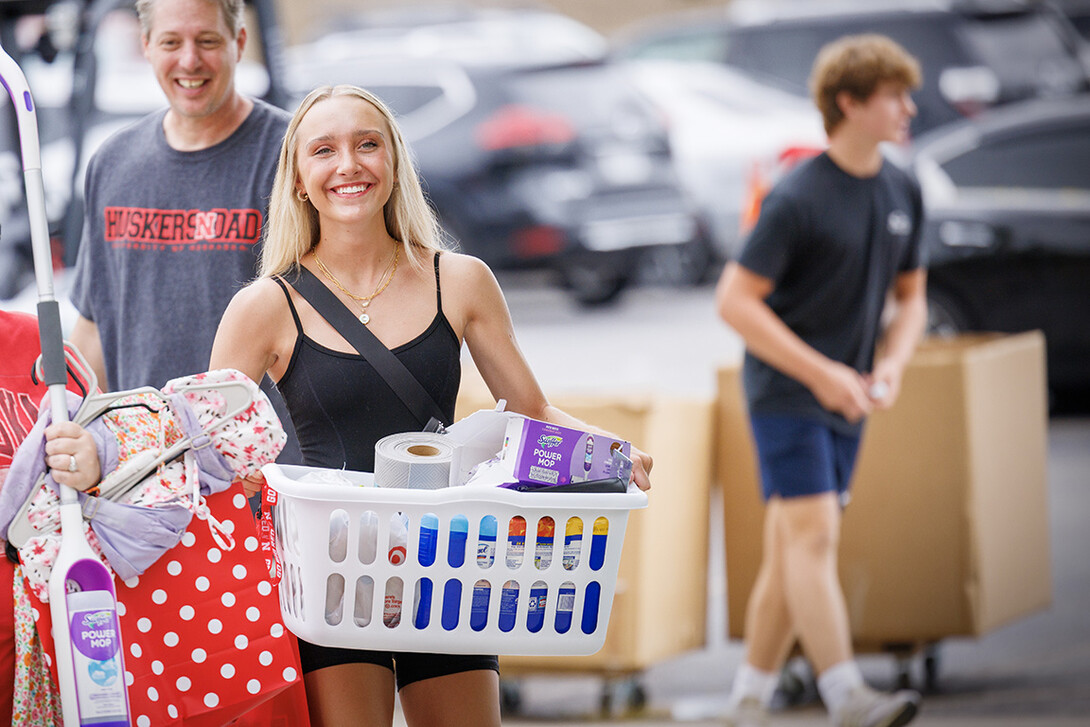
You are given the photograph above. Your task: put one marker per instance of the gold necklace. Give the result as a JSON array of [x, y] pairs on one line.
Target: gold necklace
[[363, 301]]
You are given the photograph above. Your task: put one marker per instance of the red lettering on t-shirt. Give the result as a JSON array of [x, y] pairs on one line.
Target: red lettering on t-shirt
[[141, 228]]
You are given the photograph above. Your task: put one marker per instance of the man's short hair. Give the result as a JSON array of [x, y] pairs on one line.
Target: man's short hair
[[857, 64], [231, 10]]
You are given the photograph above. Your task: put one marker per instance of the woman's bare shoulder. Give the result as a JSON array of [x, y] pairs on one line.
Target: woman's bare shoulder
[[261, 293], [464, 270]]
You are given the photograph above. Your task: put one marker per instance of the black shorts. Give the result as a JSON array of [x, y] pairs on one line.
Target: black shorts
[[408, 667]]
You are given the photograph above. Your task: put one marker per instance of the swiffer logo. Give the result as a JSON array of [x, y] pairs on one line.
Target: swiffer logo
[[96, 619], [551, 441]]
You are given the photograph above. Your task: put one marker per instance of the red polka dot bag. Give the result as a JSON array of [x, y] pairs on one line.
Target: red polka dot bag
[[204, 641]]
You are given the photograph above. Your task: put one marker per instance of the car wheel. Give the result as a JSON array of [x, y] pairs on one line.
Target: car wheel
[[945, 317], [594, 283]]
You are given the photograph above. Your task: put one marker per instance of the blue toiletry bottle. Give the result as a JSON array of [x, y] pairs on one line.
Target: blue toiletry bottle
[[535, 616], [459, 533], [429, 537], [509, 600], [478, 605]]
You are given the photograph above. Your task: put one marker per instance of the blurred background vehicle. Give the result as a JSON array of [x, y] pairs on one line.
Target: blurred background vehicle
[[1008, 231], [975, 53], [84, 62], [536, 151], [724, 127], [1076, 11]]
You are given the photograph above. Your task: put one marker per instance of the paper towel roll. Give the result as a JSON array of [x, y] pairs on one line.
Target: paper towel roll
[[416, 460]]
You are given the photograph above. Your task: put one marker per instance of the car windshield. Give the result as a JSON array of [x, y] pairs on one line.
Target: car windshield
[[1024, 51], [784, 54], [1039, 159]]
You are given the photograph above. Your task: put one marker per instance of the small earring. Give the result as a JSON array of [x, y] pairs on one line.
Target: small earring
[[303, 196]]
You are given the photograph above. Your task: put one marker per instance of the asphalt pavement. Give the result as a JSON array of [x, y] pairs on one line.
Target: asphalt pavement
[[1033, 673]]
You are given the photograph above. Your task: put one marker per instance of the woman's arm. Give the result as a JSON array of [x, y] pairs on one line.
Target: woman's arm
[[490, 335], [248, 338], [249, 331]]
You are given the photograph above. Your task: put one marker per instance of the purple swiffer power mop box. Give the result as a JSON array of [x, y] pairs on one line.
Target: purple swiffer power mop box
[[548, 454]]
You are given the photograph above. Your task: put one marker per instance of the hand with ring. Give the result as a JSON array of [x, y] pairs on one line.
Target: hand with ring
[[72, 456]]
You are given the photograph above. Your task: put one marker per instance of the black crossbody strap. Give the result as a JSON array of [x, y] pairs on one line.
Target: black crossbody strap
[[407, 387]]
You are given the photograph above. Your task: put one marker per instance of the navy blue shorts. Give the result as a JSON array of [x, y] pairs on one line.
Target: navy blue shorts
[[409, 668], [799, 456]]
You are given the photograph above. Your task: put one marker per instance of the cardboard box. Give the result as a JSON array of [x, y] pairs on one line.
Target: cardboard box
[[659, 609], [947, 532]]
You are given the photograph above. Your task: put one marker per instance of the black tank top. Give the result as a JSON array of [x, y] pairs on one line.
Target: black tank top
[[341, 406]]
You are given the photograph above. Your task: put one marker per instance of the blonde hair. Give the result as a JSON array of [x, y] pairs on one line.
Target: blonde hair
[[857, 64], [292, 229]]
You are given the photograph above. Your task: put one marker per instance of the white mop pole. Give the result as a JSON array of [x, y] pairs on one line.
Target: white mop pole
[[77, 566]]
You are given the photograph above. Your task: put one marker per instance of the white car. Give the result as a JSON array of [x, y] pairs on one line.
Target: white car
[[724, 128]]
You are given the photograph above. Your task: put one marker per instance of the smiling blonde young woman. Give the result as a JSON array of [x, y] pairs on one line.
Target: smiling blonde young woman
[[347, 207]]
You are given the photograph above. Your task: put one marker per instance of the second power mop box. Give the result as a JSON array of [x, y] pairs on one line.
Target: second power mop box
[[547, 454]]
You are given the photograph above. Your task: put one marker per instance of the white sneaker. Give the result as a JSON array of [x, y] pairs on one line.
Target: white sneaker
[[748, 713], [866, 707]]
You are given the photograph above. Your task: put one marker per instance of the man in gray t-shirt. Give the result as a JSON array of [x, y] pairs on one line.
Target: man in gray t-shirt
[[175, 203]]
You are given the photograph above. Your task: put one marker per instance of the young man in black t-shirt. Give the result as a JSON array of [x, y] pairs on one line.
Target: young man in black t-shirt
[[807, 294]]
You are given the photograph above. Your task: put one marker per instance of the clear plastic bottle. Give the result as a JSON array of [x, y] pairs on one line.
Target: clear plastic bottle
[[399, 538], [395, 593], [368, 546]]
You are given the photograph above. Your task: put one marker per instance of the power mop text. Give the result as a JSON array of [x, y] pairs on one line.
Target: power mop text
[[145, 228], [98, 629], [546, 459]]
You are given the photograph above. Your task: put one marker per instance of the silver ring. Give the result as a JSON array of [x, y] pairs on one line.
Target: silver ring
[[72, 466]]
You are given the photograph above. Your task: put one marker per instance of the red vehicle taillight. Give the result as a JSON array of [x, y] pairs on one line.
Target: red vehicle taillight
[[520, 126], [538, 241], [763, 175]]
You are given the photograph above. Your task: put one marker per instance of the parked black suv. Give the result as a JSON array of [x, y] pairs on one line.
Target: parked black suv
[[975, 54]]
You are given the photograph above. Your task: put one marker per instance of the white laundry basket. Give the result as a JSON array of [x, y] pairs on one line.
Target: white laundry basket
[[356, 573]]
